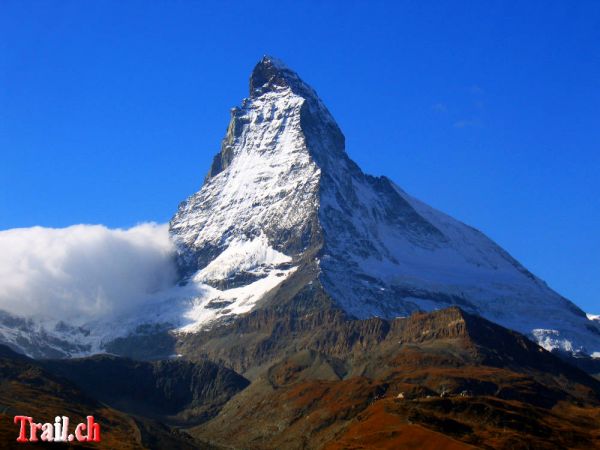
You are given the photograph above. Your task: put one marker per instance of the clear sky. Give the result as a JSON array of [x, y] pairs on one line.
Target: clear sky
[[110, 112]]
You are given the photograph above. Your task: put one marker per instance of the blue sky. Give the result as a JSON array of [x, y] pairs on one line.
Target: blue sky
[[110, 112]]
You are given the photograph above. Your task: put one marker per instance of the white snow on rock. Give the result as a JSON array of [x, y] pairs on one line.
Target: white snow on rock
[[271, 179], [216, 304], [552, 340], [253, 255]]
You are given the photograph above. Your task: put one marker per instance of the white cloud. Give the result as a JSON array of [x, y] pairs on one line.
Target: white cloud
[[83, 272]]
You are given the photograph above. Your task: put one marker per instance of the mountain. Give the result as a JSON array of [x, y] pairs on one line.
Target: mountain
[[286, 223], [283, 199], [317, 307]]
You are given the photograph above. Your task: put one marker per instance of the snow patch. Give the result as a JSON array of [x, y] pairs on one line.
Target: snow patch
[[552, 340], [218, 304], [242, 256]]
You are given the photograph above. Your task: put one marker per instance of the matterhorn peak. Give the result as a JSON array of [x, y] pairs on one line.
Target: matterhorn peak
[[268, 73], [284, 205], [271, 74]]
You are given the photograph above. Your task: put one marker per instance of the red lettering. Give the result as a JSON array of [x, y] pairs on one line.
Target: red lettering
[[22, 432], [79, 429], [93, 429], [33, 429]]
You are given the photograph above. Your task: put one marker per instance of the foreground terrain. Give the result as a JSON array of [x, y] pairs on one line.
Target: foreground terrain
[[446, 379]]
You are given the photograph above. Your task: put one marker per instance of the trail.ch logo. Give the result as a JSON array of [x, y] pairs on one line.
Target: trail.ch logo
[[57, 431]]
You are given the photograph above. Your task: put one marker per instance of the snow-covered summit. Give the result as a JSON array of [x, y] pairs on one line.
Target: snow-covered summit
[[283, 174], [271, 74]]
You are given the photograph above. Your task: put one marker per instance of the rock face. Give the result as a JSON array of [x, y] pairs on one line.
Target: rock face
[[445, 379], [282, 195], [175, 391]]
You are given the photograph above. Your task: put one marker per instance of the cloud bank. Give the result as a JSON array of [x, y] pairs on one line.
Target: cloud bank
[[83, 272]]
